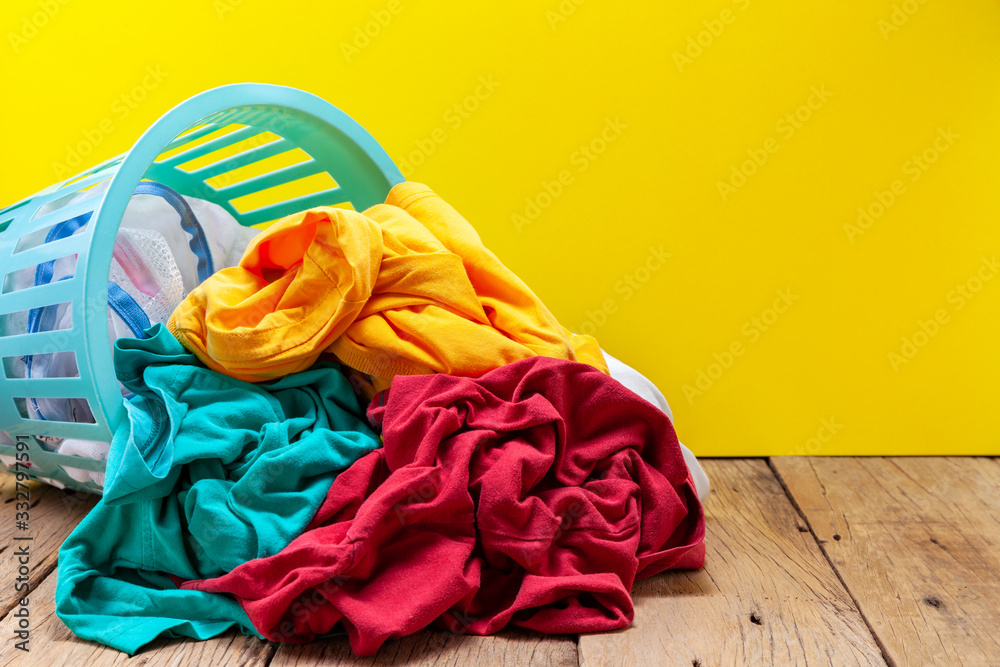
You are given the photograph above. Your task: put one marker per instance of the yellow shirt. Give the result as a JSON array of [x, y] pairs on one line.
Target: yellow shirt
[[404, 288]]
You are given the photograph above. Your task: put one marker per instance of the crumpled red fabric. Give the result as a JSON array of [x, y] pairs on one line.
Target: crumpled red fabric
[[531, 496]]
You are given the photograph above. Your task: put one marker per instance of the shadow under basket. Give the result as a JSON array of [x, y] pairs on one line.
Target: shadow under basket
[[262, 152]]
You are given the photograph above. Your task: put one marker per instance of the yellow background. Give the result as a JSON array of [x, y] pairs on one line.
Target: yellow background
[[564, 71]]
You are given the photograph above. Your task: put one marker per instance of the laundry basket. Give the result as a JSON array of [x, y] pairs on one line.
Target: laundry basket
[[260, 151]]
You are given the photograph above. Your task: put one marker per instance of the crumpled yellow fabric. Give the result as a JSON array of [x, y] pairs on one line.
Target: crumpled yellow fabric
[[403, 288]]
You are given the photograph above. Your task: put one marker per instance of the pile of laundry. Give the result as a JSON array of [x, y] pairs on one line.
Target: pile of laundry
[[368, 424]]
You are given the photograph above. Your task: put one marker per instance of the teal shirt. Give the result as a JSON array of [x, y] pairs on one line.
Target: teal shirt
[[207, 472]]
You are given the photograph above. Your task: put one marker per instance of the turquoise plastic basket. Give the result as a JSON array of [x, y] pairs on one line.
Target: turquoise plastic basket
[[336, 145]]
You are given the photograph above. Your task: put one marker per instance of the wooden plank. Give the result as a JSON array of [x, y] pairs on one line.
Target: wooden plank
[[916, 541], [7, 482], [53, 514], [53, 644], [766, 594], [513, 647]]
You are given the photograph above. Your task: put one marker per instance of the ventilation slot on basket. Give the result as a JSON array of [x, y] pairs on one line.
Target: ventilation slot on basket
[[63, 268], [13, 207], [301, 187], [78, 409], [45, 234], [95, 175], [15, 324], [55, 204], [56, 365], [8, 214], [196, 138], [90, 184], [220, 154], [190, 137], [191, 134], [258, 163]]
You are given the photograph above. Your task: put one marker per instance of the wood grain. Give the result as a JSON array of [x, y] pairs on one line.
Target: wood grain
[[765, 596], [53, 513], [440, 649], [917, 541], [7, 482], [53, 644]]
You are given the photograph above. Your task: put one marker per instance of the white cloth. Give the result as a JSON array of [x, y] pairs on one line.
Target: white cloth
[[90, 449], [227, 238], [641, 386]]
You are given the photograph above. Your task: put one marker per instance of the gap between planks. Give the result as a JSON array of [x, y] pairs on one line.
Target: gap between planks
[[769, 592], [766, 595], [915, 540], [819, 543], [769, 626], [54, 514], [53, 643]]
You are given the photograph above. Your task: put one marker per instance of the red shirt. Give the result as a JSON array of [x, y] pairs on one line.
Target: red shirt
[[532, 496]]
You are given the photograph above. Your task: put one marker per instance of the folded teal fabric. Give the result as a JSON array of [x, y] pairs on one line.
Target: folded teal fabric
[[206, 473]]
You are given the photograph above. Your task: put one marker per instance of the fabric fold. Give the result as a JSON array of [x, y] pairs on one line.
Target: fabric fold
[[531, 496], [207, 472], [644, 388], [404, 288]]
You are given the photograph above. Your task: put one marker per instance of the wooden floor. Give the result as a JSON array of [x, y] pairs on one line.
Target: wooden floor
[[810, 561]]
